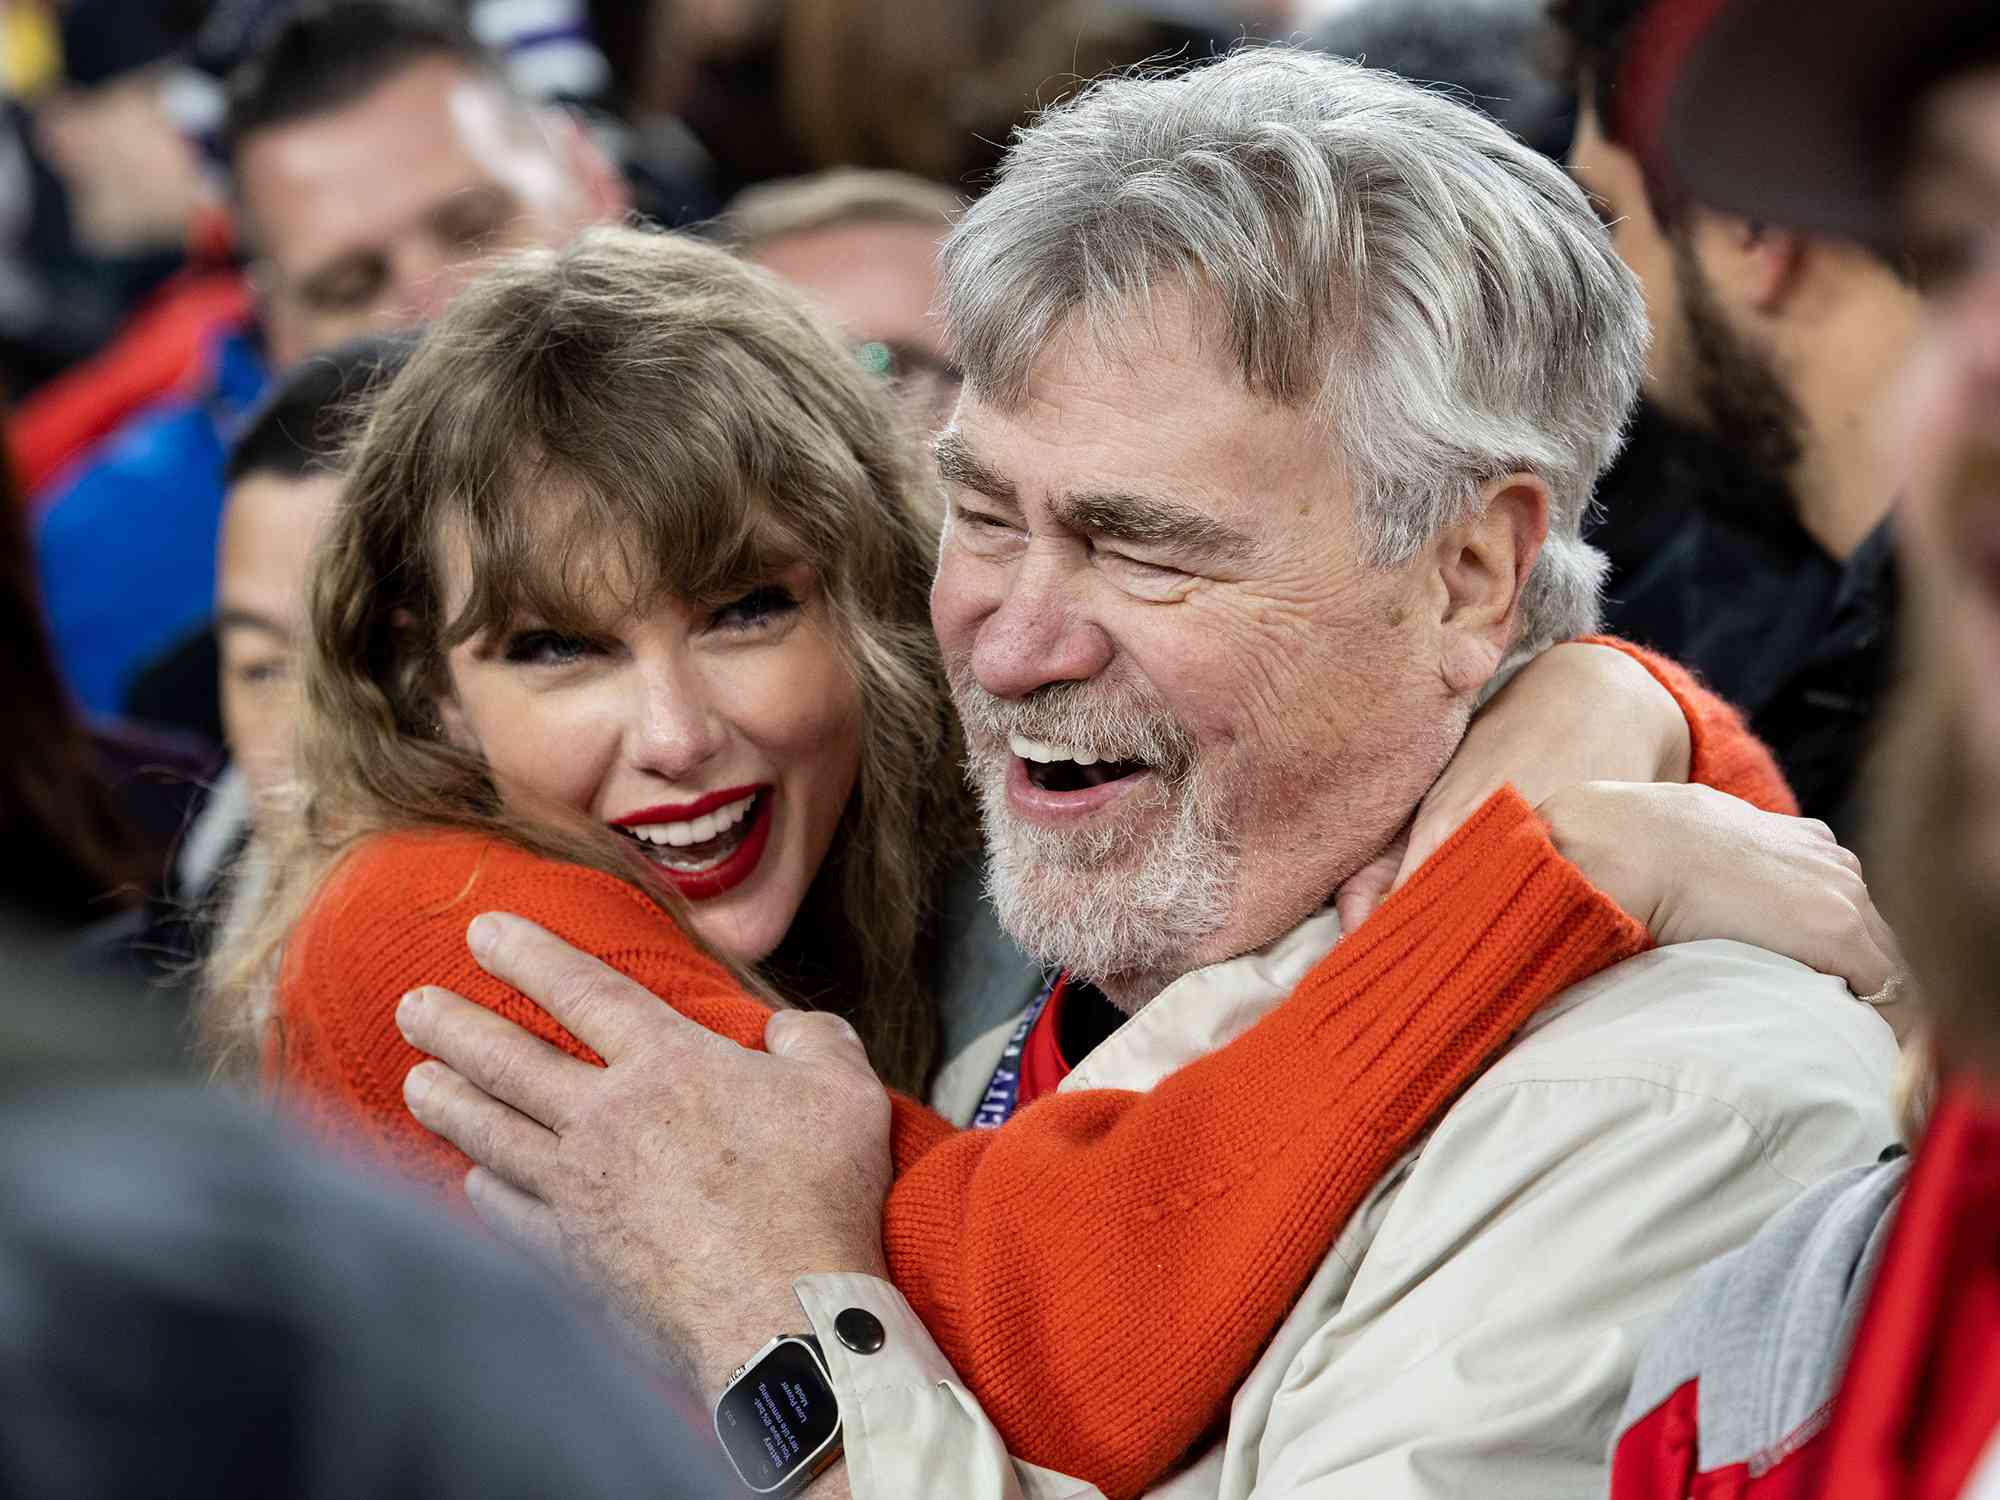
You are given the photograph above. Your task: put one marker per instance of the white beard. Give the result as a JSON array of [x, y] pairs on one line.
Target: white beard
[[1085, 899]]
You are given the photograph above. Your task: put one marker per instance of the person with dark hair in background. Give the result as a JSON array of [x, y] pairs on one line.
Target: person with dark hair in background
[[1770, 351], [284, 478], [1849, 1352], [341, 244]]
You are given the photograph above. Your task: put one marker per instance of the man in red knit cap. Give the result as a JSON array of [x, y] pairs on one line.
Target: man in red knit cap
[[1852, 1349], [1255, 491]]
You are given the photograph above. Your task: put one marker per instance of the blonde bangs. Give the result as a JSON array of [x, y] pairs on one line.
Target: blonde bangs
[[563, 553]]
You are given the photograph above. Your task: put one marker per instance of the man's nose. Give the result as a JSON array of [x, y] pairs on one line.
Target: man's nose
[[1040, 633], [678, 726]]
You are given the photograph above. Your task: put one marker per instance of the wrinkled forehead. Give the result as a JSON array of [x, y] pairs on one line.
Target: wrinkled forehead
[[1151, 403]]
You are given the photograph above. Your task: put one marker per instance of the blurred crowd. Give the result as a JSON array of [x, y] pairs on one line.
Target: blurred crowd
[[1267, 657]]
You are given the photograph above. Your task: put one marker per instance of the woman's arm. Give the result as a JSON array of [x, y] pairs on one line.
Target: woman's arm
[[391, 917]]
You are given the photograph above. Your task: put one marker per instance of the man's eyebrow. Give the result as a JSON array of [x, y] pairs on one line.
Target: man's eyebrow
[[1150, 521], [958, 464], [250, 619]]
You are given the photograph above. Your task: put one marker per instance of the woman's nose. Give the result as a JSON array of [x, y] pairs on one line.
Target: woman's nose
[[678, 725]]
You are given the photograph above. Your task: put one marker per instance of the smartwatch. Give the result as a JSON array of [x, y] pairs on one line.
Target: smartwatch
[[777, 1418]]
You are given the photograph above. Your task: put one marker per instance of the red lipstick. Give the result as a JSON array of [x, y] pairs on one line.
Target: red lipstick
[[733, 871], [685, 812]]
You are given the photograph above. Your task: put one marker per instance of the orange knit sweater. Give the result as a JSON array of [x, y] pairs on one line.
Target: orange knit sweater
[[1226, 1183]]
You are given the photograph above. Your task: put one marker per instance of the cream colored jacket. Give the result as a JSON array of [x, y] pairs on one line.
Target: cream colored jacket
[[1473, 1328]]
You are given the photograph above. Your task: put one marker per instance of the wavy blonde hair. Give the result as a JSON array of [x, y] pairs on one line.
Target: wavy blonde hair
[[702, 430]]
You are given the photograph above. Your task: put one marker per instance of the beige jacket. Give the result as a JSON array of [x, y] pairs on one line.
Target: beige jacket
[[1473, 1328]]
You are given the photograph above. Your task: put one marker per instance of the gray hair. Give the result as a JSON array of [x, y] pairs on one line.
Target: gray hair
[[1440, 297]]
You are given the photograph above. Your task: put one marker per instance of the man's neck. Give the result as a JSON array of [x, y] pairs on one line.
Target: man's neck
[[1133, 992]]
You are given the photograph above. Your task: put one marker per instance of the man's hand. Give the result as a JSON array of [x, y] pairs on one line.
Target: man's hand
[[690, 1179]]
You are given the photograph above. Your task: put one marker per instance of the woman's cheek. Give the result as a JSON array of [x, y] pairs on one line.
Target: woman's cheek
[[551, 747], [810, 697]]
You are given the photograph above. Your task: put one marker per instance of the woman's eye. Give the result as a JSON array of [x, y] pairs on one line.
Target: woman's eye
[[758, 607], [546, 648]]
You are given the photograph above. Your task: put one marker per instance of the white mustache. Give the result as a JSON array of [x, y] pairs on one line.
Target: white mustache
[[1114, 724]]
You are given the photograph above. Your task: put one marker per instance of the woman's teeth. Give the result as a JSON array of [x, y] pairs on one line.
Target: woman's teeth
[[697, 831]]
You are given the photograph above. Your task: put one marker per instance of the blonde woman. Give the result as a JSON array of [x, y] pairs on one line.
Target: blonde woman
[[622, 626]]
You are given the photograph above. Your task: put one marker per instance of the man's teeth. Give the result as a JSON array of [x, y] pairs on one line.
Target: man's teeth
[[698, 831], [1042, 754]]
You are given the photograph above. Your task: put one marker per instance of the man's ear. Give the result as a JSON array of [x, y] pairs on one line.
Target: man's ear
[[1482, 566], [1760, 265]]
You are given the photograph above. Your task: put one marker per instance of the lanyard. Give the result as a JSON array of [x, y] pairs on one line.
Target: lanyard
[[1003, 1089]]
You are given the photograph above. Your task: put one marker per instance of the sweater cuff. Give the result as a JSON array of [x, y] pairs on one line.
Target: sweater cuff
[[1500, 873]]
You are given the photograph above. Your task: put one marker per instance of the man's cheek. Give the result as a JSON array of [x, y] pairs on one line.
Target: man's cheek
[[960, 597]]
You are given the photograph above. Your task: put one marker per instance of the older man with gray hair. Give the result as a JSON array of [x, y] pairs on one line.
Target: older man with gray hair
[[1287, 383]]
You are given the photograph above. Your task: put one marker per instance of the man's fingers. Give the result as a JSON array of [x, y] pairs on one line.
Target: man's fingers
[[496, 1137], [517, 1216], [512, 1065], [816, 1036], [601, 1007]]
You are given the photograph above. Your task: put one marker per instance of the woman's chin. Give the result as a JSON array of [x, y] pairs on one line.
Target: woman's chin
[[744, 935]]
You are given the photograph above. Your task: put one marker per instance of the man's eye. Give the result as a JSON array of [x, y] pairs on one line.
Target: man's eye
[[1146, 579], [546, 648], [349, 290], [979, 520], [761, 606]]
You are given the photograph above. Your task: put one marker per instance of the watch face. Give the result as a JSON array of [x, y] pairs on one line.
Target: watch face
[[778, 1416]]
